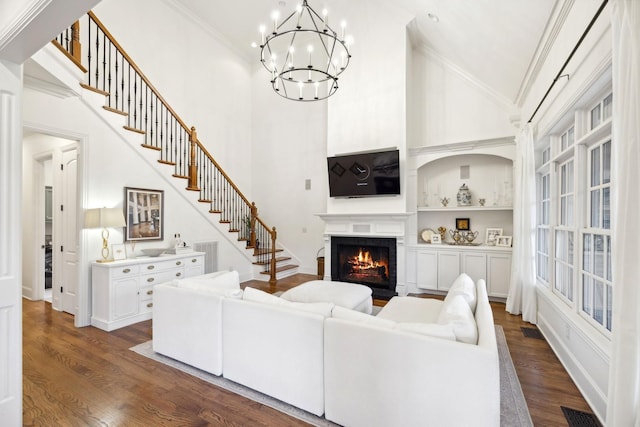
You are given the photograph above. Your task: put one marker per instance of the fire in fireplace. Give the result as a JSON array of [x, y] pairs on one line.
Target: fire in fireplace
[[367, 261]]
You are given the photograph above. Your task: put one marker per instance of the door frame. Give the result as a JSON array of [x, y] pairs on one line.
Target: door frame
[[38, 167], [83, 315]]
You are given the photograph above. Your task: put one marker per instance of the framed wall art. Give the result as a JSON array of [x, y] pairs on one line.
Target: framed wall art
[[463, 224], [504, 241], [144, 214], [119, 251], [492, 236]]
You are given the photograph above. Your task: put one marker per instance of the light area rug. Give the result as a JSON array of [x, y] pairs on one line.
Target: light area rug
[[513, 407]]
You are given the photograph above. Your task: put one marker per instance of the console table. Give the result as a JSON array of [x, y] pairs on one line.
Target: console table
[[122, 291]]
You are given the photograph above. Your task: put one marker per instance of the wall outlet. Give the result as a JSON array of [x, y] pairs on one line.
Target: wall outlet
[[307, 184]]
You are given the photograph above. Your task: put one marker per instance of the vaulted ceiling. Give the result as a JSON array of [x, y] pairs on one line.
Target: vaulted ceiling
[[493, 42]]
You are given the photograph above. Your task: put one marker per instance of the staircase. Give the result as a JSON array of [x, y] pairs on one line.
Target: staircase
[[128, 93]]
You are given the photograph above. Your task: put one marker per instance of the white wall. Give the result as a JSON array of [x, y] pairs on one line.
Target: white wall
[[289, 148], [369, 110], [204, 81], [452, 107]]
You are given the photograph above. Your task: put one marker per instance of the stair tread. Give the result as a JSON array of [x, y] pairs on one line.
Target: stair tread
[[278, 259], [281, 268], [264, 251]]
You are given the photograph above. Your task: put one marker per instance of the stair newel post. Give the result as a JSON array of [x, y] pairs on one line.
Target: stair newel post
[[193, 167], [272, 269], [75, 41], [252, 227]]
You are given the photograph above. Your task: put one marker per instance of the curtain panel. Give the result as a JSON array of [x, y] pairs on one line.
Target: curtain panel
[[522, 289], [623, 406]]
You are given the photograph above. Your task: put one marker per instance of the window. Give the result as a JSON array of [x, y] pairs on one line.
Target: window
[[542, 258], [573, 228], [564, 234], [596, 239], [567, 139]]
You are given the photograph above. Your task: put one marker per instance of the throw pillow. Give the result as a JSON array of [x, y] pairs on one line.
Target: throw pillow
[[457, 313], [464, 285]]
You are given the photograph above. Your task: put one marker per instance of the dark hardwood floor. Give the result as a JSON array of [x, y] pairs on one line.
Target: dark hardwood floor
[[89, 377]]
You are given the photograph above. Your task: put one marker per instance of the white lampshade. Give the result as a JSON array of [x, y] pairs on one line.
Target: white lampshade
[[103, 218]]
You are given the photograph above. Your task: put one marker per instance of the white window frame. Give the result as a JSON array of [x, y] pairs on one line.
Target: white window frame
[[587, 309]]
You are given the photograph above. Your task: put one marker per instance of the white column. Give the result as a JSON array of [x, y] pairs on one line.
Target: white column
[[10, 244]]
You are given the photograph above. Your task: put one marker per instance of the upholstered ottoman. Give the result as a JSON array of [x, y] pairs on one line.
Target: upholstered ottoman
[[344, 294]]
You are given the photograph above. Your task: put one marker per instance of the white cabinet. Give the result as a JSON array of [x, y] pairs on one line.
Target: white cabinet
[[498, 274], [448, 269], [439, 266], [122, 291], [475, 265], [427, 270]]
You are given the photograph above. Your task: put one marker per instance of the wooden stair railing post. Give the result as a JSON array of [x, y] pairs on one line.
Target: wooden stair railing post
[[193, 167], [75, 42], [272, 276], [252, 228]]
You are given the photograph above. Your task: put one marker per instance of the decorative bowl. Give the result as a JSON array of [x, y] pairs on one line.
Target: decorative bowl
[[153, 251]]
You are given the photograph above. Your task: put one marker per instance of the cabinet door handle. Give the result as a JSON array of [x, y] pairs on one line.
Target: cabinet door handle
[[151, 267], [178, 274], [150, 305], [150, 279], [150, 292], [126, 270], [194, 260], [178, 262]]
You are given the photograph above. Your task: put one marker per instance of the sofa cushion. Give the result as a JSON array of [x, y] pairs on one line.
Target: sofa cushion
[[429, 329], [256, 295], [463, 285], [456, 312], [212, 282], [356, 316], [411, 309]]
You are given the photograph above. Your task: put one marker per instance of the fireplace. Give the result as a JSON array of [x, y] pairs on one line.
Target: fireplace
[[369, 261]]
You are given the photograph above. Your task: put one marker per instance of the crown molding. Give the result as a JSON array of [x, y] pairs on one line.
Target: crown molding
[[560, 14]]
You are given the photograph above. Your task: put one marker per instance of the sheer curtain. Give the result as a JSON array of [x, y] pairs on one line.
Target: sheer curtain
[[623, 408], [522, 290]]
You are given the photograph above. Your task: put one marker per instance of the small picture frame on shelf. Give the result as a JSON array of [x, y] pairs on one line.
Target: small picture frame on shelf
[[463, 224], [435, 239], [119, 251], [503, 241], [492, 236]]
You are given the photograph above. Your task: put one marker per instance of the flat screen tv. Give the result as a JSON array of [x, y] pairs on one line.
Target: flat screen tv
[[364, 174]]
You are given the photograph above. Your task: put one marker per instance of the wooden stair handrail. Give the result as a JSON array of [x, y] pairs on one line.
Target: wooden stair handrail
[[194, 142], [171, 110]]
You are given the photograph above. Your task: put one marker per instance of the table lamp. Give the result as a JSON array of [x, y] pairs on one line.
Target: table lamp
[[104, 218]]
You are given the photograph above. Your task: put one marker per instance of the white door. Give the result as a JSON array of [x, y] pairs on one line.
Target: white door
[[10, 244], [67, 274]]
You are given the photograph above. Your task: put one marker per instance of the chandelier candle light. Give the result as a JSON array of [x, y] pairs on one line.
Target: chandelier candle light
[[304, 55]]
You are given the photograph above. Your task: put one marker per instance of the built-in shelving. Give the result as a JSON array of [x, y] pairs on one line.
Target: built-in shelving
[[463, 208]]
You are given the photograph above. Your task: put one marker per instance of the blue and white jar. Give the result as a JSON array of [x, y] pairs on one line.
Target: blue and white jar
[[464, 196]]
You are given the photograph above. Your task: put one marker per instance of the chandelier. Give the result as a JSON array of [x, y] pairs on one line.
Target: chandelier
[[303, 54]]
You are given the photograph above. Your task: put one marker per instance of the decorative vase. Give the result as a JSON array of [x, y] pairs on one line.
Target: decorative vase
[[442, 231], [464, 196]]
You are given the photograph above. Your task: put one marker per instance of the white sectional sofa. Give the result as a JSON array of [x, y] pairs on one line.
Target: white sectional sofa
[[418, 362], [408, 366]]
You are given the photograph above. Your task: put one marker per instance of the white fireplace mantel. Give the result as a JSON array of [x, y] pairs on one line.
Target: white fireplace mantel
[[365, 224]]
